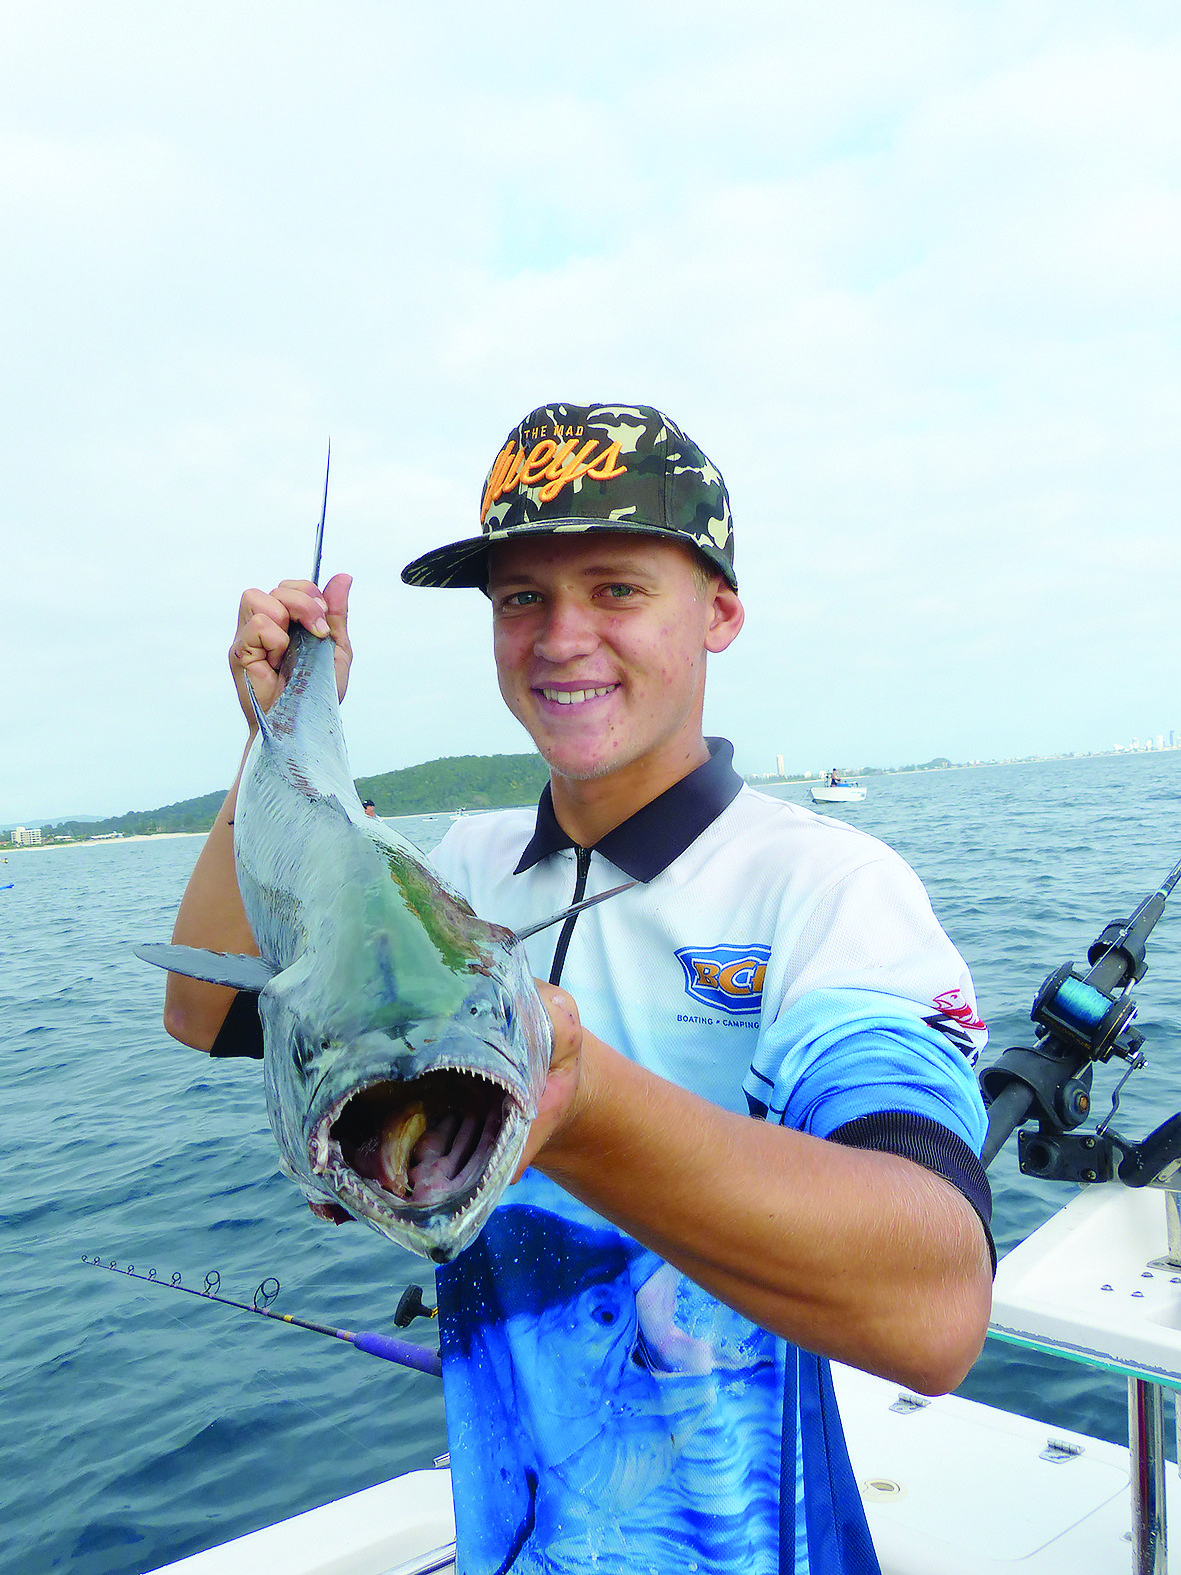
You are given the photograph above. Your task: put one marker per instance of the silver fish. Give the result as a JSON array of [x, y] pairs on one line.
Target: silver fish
[[405, 1044]]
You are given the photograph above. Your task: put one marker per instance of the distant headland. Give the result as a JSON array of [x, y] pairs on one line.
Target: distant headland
[[461, 782]]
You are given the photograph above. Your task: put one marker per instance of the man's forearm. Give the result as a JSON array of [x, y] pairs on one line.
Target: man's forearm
[[861, 1256], [211, 915]]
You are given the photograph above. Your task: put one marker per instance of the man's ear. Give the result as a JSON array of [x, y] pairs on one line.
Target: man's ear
[[727, 617]]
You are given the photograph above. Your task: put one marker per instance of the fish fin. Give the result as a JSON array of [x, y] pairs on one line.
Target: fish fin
[[320, 527], [235, 969], [259, 713], [587, 902]]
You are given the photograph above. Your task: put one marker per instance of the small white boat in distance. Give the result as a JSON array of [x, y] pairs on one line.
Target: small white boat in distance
[[838, 792]]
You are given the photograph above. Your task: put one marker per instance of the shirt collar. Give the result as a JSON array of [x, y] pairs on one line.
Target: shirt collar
[[648, 841]]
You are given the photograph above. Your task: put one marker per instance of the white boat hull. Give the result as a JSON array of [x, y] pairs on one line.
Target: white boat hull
[[844, 793], [948, 1485], [403, 1527]]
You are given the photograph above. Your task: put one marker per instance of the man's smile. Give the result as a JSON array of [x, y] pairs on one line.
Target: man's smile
[[574, 696]]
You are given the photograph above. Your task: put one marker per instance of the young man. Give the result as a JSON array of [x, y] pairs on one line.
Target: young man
[[634, 1348]]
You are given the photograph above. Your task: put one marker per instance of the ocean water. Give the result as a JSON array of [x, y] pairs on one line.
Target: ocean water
[[141, 1424]]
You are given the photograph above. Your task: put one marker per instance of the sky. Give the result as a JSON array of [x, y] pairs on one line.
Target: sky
[[908, 272]]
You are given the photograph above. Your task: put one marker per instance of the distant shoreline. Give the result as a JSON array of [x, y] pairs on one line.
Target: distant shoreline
[[97, 842], [164, 836], [759, 782]]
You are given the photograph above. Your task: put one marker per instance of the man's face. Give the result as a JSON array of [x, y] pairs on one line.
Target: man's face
[[600, 644]]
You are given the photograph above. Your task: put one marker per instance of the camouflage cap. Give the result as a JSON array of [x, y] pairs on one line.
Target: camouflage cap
[[592, 468]]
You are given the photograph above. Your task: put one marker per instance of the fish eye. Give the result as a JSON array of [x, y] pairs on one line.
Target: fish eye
[[603, 1313]]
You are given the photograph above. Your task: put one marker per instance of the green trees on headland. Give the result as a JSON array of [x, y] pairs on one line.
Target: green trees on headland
[[463, 782], [191, 814], [460, 782]]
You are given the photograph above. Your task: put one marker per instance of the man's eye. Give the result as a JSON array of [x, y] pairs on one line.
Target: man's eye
[[521, 599], [620, 592]]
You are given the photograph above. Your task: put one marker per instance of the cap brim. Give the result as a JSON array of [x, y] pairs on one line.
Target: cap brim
[[464, 564]]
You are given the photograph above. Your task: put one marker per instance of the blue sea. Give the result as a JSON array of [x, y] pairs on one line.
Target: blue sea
[[141, 1424]]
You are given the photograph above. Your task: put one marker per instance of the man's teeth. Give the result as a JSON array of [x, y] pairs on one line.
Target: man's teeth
[[576, 696]]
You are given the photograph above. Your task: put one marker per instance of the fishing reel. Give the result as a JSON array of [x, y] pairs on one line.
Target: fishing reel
[[1076, 1025], [1071, 1010], [1080, 1020]]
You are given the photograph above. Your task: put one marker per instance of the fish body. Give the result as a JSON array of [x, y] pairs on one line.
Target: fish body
[[405, 1044]]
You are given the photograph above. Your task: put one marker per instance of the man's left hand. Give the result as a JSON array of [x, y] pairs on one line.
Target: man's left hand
[[564, 1083]]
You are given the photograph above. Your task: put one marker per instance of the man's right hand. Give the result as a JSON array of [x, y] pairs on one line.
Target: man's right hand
[[264, 624]]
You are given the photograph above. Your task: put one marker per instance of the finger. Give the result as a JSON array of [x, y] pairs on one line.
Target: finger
[[262, 638], [304, 603], [559, 1097], [564, 1020], [256, 603]]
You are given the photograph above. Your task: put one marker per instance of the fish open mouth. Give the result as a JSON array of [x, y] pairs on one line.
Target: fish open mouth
[[425, 1141]]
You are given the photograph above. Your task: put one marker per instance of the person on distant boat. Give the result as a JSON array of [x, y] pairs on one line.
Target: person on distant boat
[[370, 808], [757, 1145]]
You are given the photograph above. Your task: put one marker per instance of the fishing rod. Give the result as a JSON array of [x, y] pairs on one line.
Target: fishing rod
[[384, 1345], [1082, 1019]]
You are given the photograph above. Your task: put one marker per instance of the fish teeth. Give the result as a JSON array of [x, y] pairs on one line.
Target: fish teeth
[[397, 1144]]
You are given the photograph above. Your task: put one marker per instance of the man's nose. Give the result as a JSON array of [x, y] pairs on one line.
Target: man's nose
[[567, 631]]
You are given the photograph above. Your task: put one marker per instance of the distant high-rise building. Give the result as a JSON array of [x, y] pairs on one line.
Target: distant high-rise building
[[1160, 740], [25, 836], [779, 766]]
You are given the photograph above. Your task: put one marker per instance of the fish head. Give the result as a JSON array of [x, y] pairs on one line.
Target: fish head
[[412, 1119]]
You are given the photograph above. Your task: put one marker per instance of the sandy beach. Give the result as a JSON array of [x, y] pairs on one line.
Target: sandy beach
[[94, 842]]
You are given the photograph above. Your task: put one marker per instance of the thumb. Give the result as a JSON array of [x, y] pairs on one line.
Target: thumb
[[336, 599], [336, 602]]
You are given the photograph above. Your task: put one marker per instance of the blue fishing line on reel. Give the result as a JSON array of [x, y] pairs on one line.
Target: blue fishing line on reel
[[1082, 1001], [1075, 1011]]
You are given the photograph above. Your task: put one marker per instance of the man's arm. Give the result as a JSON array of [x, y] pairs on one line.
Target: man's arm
[[211, 913], [864, 1257]]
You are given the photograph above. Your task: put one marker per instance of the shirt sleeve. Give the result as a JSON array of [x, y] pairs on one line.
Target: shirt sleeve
[[836, 1055]]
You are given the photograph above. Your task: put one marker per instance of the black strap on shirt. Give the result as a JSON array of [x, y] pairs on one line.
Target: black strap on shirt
[[241, 1033], [929, 1144]]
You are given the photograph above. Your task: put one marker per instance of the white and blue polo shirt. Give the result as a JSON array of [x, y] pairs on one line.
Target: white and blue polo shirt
[[604, 1412]]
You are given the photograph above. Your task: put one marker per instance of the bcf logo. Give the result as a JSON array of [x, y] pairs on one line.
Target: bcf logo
[[728, 978]]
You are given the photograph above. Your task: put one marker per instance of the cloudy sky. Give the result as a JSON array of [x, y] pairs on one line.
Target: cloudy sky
[[908, 272]]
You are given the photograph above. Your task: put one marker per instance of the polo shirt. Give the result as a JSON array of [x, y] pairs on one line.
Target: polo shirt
[[604, 1411]]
